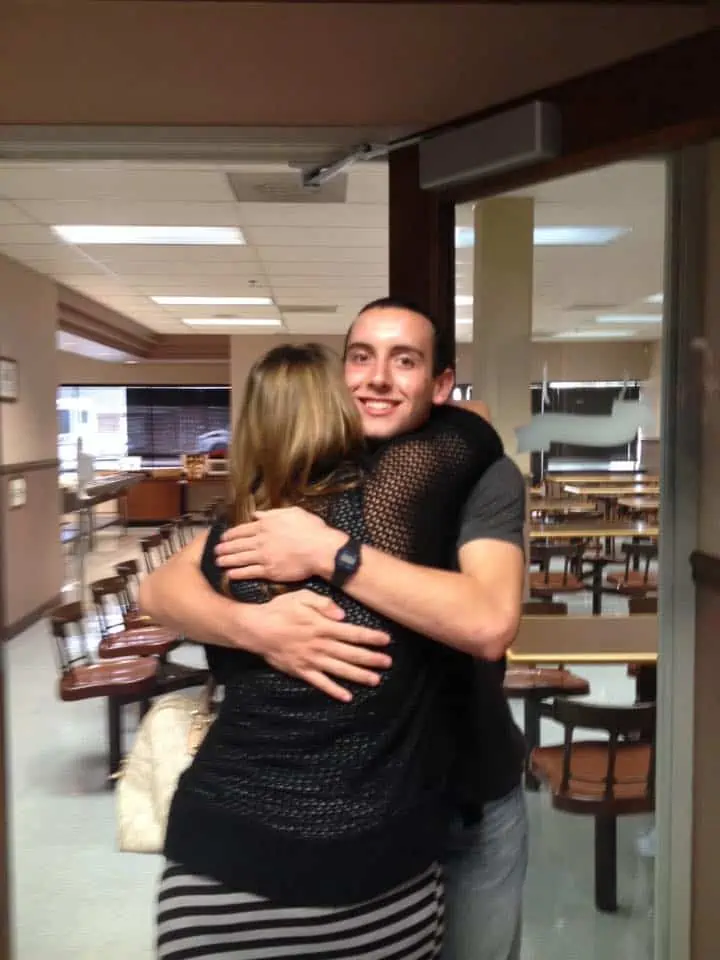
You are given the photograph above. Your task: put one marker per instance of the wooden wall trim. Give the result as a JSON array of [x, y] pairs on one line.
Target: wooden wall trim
[[129, 337], [706, 569], [31, 618], [28, 466], [652, 103], [190, 346]]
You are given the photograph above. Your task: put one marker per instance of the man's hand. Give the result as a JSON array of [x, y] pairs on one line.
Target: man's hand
[[302, 634], [283, 545]]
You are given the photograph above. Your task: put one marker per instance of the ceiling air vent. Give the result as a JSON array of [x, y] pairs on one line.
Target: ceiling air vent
[[285, 188]]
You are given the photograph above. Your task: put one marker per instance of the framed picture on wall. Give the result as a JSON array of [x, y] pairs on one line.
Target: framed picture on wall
[[8, 380]]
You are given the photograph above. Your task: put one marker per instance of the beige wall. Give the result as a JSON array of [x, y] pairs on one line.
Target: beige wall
[[74, 369], [565, 361], [31, 557], [80, 62]]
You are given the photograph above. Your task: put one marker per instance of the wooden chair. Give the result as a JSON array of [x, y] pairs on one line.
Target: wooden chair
[[545, 584], [129, 570], [603, 779], [112, 603], [145, 640], [120, 681], [168, 535], [645, 674], [633, 581], [153, 551], [185, 528], [533, 684]]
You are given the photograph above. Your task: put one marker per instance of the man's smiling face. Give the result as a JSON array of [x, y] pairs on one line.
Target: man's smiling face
[[389, 370]]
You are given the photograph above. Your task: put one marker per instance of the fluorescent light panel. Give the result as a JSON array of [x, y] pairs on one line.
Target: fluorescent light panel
[[86, 234], [556, 236], [231, 322], [627, 319], [463, 301], [213, 301]]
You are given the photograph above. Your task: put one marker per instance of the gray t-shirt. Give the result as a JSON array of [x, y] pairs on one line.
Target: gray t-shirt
[[492, 747], [495, 509]]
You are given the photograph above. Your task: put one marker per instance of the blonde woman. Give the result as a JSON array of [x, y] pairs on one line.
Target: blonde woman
[[307, 826]]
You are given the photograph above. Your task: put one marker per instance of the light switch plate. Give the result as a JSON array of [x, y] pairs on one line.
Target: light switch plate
[[17, 492]]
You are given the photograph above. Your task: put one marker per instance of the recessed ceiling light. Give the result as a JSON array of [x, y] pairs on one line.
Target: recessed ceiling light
[[84, 234], [213, 301], [556, 236], [627, 319], [655, 298], [592, 334], [231, 322]]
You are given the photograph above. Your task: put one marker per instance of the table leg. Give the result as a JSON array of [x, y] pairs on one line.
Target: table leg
[[606, 864], [597, 589], [532, 739]]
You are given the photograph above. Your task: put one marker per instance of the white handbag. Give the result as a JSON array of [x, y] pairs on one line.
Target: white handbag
[[168, 739]]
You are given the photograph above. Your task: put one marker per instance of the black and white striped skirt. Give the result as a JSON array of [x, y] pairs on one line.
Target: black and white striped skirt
[[198, 917]]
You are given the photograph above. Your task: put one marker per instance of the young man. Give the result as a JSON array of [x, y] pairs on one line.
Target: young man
[[397, 368]]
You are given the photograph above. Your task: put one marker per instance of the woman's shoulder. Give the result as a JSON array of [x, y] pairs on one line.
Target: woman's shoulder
[[469, 422]]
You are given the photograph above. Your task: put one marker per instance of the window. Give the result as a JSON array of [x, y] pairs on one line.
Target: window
[[592, 398], [163, 423]]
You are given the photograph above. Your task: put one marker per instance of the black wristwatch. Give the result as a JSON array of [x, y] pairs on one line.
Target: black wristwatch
[[347, 562]]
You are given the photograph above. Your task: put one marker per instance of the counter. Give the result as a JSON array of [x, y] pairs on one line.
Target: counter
[[163, 494]]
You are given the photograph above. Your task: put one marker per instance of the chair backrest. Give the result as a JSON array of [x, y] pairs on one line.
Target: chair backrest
[[628, 722], [111, 616], [571, 553], [184, 530], [637, 552], [67, 621], [642, 605], [544, 608], [167, 539], [129, 570], [153, 551]]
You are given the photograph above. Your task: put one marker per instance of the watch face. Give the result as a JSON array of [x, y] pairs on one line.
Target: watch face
[[347, 557]]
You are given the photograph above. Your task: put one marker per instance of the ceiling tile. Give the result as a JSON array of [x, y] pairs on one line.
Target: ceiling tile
[[83, 182], [327, 216], [322, 254], [178, 213]]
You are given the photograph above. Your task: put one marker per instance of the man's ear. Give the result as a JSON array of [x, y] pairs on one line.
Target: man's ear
[[443, 386]]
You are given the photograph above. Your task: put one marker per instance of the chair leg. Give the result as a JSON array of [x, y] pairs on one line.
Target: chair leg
[[532, 739], [114, 735], [606, 863]]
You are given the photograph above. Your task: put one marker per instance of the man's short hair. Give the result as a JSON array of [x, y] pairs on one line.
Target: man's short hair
[[443, 354]]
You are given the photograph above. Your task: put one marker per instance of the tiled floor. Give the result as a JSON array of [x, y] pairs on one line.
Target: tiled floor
[[76, 897]]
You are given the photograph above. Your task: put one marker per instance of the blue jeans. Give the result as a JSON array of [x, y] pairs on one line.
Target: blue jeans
[[485, 869]]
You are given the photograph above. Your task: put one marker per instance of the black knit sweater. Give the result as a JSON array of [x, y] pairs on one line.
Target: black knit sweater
[[305, 800]]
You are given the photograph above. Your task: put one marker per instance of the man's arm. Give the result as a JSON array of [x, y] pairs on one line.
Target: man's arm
[[475, 610], [299, 633]]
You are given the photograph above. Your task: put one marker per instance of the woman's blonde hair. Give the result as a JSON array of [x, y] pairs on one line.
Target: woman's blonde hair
[[296, 433]]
